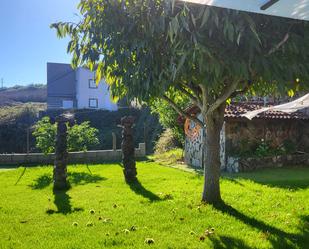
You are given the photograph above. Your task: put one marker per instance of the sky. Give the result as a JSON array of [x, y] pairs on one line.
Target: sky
[[26, 41]]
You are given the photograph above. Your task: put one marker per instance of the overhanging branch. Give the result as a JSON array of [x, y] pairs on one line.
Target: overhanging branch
[[181, 112], [194, 99], [224, 96], [281, 43]]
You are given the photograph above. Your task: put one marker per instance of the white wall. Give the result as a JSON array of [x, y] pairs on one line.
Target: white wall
[[84, 93], [298, 9]]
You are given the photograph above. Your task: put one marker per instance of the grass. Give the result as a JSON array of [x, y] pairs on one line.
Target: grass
[[171, 158], [266, 209]]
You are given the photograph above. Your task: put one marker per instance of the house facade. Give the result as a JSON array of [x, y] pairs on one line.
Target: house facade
[[76, 89], [240, 136]]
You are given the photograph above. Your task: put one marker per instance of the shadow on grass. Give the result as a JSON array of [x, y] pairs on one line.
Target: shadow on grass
[[63, 204], [277, 237], [77, 178], [228, 242], [139, 189], [288, 178]]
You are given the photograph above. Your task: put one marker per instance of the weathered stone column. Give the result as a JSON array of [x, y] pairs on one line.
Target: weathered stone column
[[61, 157], [127, 146]]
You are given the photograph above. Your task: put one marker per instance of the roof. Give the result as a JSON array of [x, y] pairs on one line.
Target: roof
[[236, 110], [296, 9]]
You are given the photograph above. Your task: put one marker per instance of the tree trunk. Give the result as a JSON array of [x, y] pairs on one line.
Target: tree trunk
[[214, 123]]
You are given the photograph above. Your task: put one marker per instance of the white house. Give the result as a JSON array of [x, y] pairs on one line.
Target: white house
[[76, 89]]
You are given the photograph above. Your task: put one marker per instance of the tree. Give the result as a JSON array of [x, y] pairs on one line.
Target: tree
[[80, 137], [45, 135], [155, 49], [168, 117]]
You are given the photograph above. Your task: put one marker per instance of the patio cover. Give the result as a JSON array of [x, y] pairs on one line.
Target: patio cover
[[290, 107], [296, 9]]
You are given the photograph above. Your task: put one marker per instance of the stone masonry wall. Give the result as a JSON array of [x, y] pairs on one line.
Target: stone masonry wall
[[98, 156], [242, 135], [235, 165], [194, 148]]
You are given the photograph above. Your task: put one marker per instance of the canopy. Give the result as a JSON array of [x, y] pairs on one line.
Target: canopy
[[296, 9], [290, 107]]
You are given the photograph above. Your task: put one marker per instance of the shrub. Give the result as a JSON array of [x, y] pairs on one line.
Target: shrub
[[166, 142], [45, 134], [80, 137]]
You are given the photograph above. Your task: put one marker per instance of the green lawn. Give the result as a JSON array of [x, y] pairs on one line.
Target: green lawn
[[266, 209]]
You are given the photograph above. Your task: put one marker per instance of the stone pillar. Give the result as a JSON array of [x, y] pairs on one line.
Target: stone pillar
[[127, 146], [61, 153]]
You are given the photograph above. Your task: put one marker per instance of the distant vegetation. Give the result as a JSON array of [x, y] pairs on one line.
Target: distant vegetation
[[14, 122], [22, 94], [20, 106]]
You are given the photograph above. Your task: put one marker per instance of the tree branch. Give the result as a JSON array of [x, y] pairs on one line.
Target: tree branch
[[197, 91], [281, 43], [244, 90], [225, 95], [181, 112], [193, 98]]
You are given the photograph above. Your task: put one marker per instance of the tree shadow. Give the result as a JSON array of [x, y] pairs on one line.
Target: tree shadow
[[42, 182], [277, 237], [288, 178], [82, 178], [139, 189], [77, 178], [63, 204], [228, 242]]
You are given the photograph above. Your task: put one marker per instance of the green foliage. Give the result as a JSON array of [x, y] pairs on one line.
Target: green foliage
[[264, 149], [168, 117], [268, 209], [172, 157], [166, 142], [82, 137], [14, 122], [45, 135], [150, 47], [147, 127]]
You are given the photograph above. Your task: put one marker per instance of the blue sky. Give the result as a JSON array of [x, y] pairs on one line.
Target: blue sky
[[27, 42]]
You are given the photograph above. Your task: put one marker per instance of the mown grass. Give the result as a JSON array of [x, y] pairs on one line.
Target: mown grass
[[266, 209]]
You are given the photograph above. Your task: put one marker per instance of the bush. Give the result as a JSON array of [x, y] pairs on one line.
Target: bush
[[14, 122], [80, 137], [45, 134], [146, 127], [166, 142], [168, 117]]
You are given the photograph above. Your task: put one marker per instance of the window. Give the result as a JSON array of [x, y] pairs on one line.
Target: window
[[67, 104], [92, 84], [93, 103]]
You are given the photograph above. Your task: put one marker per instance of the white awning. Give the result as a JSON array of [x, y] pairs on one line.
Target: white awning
[[296, 9], [289, 107]]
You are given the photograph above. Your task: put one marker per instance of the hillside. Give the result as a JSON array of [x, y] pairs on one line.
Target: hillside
[[22, 94]]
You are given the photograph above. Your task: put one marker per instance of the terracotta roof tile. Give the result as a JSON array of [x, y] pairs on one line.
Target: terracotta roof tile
[[235, 110]]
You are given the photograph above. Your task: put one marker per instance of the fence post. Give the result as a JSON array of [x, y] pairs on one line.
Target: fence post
[[114, 141]]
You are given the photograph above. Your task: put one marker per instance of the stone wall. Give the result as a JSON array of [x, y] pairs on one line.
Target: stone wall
[[241, 135], [97, 156], [235, 165], [244, 135], [194, 148]]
